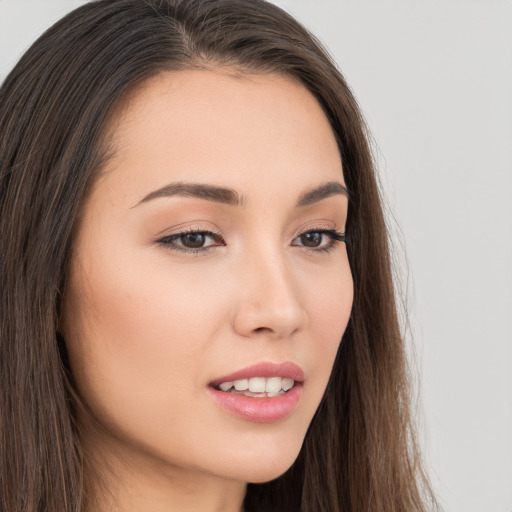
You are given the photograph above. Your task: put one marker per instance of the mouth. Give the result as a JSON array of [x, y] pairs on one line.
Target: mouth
[[262, 393], [258, 387]]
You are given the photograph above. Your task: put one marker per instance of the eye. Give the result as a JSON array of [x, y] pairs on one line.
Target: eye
[[320, 239], [192, 241]]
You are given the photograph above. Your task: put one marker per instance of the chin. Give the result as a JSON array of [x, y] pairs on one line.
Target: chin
[[266, 461], [267, 472], [268, 476]]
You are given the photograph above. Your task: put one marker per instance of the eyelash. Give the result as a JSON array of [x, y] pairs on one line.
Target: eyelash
[[169, 241]]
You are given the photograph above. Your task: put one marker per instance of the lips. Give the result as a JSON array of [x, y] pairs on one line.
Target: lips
[[231, 392]]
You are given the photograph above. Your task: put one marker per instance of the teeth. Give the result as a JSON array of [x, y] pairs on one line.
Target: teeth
[[225, 386], [287, 384], [241, 385], [259, 386], [273, 385]]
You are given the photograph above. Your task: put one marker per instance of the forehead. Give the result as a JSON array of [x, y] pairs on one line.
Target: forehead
[[213, 125]]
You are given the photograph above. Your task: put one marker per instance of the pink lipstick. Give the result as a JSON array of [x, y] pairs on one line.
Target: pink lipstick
[[261, 393]]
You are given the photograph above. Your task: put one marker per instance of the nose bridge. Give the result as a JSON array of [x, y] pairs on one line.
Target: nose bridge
[[269, 299]]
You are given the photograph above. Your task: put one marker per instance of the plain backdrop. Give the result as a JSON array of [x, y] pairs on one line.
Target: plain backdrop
[[434, 80]]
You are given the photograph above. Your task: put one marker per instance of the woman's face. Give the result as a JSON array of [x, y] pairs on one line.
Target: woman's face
[[156, 319]]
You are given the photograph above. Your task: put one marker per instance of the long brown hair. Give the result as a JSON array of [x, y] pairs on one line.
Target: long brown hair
[[360, 452]]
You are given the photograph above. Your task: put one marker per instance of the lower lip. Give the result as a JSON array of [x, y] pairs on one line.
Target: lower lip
[[258, 410]]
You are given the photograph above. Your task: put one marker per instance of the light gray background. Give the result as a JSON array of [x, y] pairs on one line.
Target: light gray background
[[434, 79]]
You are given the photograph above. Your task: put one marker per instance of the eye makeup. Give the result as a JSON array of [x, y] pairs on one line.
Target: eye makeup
[[194, 240], [195, 237], [334, 235]]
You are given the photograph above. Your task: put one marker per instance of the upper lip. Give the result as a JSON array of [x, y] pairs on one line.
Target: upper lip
[[287, 370]]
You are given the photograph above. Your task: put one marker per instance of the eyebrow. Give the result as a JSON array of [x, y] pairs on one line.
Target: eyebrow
[[199, 190], [329, 189], [233, 198]]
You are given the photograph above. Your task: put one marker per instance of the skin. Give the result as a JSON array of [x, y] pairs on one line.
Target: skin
[[147, 328]]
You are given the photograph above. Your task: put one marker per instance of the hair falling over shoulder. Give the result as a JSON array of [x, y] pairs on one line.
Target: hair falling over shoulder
[[360, 453]]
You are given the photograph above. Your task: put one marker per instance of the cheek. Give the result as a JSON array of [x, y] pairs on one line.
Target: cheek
[[134, 341], [139, 324], [330, 306], [141, 356]]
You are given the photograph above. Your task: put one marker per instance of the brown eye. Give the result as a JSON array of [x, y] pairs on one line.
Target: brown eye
[[311, 239], [193, 240], [321, 240]]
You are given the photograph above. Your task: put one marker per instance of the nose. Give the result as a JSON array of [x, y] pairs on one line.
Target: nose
[[268, 299]]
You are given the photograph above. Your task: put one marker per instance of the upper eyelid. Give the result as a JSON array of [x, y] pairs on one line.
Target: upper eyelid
[[323, 229], [318, 228], [186, 231], [195, 229]]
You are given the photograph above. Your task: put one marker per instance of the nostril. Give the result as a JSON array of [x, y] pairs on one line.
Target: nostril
[[257, 319]]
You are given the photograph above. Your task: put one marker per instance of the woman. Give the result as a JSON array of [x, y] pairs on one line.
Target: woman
[[197, 305]]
